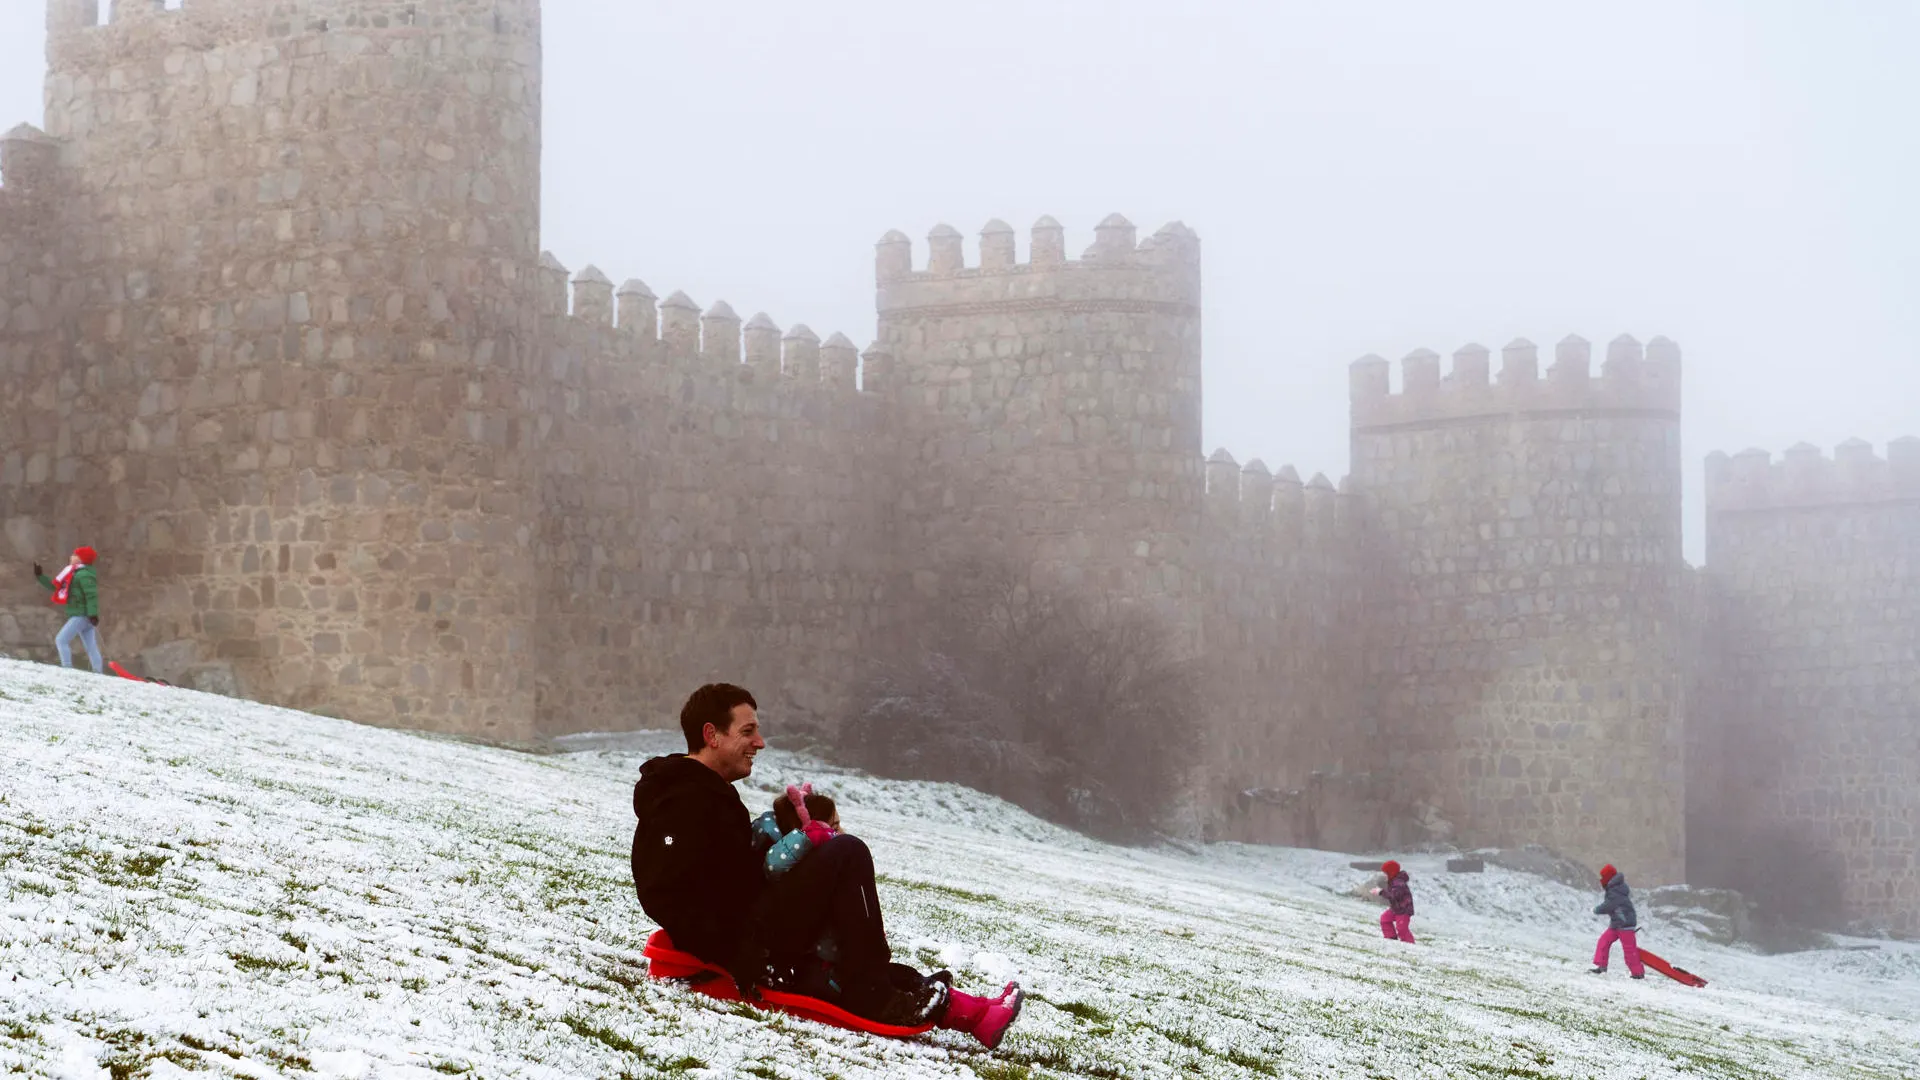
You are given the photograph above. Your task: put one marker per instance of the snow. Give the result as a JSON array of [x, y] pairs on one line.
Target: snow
[[191, 885]]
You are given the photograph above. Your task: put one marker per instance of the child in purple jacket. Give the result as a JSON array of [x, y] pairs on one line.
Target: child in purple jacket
[[1396, 921]]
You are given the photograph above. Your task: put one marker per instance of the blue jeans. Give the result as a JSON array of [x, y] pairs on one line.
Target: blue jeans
[[79, 627]]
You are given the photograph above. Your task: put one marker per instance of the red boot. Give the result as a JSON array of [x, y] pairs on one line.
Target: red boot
[[986, 1019]]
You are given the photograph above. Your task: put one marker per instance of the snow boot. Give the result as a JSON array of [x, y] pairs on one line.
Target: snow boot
[[986, 1019], [904, 1008], [1598, 971], [1642, 975]]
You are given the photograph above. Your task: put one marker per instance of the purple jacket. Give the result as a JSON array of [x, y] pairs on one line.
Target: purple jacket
[[1399, 896]]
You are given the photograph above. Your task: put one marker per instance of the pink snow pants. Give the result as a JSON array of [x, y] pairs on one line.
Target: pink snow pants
[[1400, 926], [1629, 948]]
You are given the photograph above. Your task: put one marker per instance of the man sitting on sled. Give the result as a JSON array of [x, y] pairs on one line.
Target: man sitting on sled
[[698, 870]]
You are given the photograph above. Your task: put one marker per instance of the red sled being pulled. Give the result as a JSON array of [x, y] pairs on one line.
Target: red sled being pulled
[[125, 674], [1677, 974], [666, 962]]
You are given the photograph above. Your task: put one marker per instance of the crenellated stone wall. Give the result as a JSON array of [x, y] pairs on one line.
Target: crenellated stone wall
[[714, 504], [277, 337], [1809, 735], [1525, 594]]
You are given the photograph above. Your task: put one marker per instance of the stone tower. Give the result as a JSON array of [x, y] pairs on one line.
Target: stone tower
[[1049, 407], [1810, 731], [1526, 594], [278, 343]]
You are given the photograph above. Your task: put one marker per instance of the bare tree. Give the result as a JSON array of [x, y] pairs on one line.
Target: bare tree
[[1077, 707]]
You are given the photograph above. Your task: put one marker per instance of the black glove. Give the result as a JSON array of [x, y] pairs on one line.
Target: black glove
[[94, 619], [37, 572], [748, 967]]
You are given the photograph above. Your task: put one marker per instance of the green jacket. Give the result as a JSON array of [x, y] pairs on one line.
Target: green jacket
[[83, 596]]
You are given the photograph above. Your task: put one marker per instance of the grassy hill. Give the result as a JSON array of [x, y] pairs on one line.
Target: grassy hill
[[193, 885]]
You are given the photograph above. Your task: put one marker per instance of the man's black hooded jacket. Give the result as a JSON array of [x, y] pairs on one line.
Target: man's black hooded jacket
[[695, 865]]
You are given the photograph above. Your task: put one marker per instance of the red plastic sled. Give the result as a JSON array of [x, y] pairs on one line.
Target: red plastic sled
[[666, 962], [125, 674], [1677, 974]]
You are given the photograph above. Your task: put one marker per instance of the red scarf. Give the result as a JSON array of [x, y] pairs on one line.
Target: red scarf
[[63, 581]]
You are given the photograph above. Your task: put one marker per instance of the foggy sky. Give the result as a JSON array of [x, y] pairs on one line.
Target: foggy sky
[[1739, 176]]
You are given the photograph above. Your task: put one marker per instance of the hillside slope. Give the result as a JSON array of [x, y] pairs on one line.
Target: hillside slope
[[191, 884]]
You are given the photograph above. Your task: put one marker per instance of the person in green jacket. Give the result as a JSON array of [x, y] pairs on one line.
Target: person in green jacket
[[77, 589]]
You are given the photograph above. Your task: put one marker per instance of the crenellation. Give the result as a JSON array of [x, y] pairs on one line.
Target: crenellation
[[996, 246], [1320, 498], [762, 346], [552, 276], [1420, 373], [1223, 485], [800, 354], [1256, 494], [1805, 479], [1626, 386], [1171, 255], [839, 361], [639, 313], [1572, 361], [1289, 503], [680, 326], [720, 334], [944, 251], [1048, 242], [1472, 371], [593, 297]]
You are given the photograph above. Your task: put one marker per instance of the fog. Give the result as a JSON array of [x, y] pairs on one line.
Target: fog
[[1736, 176]]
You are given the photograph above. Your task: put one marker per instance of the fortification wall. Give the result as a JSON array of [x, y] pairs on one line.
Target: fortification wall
[[1524, 599], [1291, 755], [287, 367], [716, 504], [1815, 712], [1050, 409], [31, 281]]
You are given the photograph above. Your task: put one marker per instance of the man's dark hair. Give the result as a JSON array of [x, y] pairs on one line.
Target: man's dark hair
[[711, 704]]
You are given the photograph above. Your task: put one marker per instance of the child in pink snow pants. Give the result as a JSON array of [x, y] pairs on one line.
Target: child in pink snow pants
[[1395, 922], [1622, 924]]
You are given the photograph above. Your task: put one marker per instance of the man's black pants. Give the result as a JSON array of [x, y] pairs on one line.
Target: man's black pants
[[831, 891]]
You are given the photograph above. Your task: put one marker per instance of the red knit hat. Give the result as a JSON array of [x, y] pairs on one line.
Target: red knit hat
[[87, 554], [1606, 873], [1391, 869]]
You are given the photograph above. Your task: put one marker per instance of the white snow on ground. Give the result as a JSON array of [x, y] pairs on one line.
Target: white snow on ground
[[190, 884]]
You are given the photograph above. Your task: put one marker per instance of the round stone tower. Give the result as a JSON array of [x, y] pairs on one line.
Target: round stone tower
[[1526, 595], [291, 343], [1049, 409]]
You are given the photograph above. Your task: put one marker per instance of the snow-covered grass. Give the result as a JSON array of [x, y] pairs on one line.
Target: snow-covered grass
[[191, 884]]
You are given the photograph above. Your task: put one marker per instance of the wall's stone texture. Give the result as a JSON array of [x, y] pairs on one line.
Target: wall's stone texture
[[283, 368], [276, 336], [1525, 595], [1811, 728]]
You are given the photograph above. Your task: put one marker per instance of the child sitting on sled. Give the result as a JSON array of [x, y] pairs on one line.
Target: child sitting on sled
[[1396, 921], [802, 821]]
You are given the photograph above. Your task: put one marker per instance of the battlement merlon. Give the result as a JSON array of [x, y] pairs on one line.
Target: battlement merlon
[[1633, 380], [29, 162], [1161, 272], [1805, 478]]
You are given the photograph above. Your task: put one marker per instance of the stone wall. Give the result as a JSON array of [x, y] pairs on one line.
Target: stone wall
[[284, 358], [1525, 595], [715, 505], [1049, 409], [1292, 754], [1811, 726]]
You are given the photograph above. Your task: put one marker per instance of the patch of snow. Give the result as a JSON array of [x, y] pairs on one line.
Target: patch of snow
[[192, 884]]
